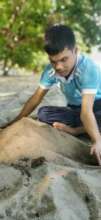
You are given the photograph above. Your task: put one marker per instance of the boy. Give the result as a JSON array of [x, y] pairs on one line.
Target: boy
[[79, 79]]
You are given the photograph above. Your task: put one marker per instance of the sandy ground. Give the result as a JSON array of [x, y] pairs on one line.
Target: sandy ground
[[14, 91], [39, 189]]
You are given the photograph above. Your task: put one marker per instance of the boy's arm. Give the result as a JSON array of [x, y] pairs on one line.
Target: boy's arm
[[31, 104], [90, 124]]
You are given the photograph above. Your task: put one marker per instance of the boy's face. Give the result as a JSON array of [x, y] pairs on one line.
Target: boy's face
[[64, 61]]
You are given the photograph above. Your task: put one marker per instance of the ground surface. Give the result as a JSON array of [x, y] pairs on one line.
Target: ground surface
[[65, 189], [14, 91]]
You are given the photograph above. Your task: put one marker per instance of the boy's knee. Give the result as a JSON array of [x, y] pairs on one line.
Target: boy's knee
[[42, 114]]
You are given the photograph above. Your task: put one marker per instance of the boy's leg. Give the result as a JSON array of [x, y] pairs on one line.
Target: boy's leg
[[51, 114]]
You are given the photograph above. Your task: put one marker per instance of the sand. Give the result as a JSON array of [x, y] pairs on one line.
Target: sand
[[51, 176]]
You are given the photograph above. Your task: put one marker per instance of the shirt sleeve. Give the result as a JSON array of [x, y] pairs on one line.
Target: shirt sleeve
[[90, 79], [47, 78]]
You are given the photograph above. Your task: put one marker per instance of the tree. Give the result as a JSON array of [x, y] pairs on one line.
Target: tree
[[84, 16], [23, 22], [21, 30]]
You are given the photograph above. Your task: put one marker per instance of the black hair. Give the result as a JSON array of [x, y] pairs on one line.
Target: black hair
[[57, 37]]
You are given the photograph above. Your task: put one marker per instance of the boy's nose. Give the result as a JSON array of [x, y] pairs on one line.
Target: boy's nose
[[58, 66]]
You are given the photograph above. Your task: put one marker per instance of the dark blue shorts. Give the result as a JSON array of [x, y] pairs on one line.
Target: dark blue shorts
[[69, 115]]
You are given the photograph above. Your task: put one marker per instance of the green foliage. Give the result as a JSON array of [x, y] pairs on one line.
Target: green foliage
[[23, 22], [23, 55], [39, 60], [84, 17]]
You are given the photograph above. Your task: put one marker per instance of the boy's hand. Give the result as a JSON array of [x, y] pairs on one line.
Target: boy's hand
[[96, 149]]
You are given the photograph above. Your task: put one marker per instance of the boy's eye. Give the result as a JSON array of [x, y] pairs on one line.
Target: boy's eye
[[53, 62], [64, 59]]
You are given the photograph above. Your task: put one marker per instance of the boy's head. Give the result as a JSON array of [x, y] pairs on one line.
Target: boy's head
[[57, 38], [60, 47]]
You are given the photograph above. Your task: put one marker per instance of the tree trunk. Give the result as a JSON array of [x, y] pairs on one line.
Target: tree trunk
[[5, 68]]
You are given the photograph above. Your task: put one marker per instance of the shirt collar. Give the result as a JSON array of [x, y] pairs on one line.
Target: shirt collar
[[75, 68]]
